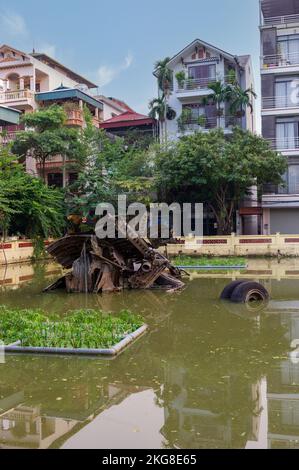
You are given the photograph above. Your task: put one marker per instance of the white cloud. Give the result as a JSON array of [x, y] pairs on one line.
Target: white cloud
[[128, 61], [107, 73], [12, 24]]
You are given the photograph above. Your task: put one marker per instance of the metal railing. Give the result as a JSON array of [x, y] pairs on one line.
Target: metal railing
[[275, 189], [280, 60], [224, 122], [15, 95], [280, 102], [191, 84], [286, 143], [280, 20]]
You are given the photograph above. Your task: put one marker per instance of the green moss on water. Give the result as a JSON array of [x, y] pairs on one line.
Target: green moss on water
[[184, 260], [79, 329]]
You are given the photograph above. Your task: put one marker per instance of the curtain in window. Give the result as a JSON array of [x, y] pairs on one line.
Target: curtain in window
[[293, 51], [283, 94], [286, 135], [294, 179]]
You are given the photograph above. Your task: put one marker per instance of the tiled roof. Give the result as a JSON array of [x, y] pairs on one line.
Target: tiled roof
[[127, 116]]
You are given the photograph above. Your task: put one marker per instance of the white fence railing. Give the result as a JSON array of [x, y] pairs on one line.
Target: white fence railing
[[280, 20], [280, 60], [17, 95], [280, 102], [285, 143]]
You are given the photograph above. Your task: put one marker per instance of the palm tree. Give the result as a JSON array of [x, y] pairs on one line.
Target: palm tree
[[241, 99], [164, 75], [221, 94], [160, 111]]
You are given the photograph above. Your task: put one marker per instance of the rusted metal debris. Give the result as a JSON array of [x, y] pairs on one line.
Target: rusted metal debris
[[112, 264]]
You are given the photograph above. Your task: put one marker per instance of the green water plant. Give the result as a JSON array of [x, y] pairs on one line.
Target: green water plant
[[183, 260], [78, 329]]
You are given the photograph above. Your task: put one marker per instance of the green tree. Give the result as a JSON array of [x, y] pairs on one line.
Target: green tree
[[241, 99], [27, 205], [163, 74], [218, 171], [47, 136]]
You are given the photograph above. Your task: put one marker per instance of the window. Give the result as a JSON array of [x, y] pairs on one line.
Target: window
[[288, 49], [287, 133], [204, 73], [286, 92], [73, 177], [55, 179], [294, 179]]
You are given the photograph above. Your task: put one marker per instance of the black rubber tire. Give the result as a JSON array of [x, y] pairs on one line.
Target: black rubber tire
[[229, 289], [249, 291]]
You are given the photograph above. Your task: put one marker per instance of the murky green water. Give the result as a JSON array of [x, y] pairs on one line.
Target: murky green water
[[207, 375]]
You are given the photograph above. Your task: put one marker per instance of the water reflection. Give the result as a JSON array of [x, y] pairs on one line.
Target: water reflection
[[206, 376]]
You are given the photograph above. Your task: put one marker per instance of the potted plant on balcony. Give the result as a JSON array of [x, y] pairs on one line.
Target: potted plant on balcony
[[202, 121], [180, 77], [184, 119]]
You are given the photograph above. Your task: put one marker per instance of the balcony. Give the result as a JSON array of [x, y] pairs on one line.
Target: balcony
[[17, 99], [200, 125], [96, 122], [288, 145], [280, 61], [192, 87], [280, 105], [280, 20], [75, 118]]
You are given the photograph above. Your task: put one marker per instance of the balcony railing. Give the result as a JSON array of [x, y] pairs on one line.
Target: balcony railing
[[285, 143], [74, 118], [194, 125], [275, 189], [280, 60], [191, 84], [18, 95], [280, 20], [280, 102]]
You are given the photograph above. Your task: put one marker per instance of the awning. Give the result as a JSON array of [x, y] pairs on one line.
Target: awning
[[63, 93], [9, 116]]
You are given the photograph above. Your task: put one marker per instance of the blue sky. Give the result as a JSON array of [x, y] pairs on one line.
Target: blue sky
[[115, 43]]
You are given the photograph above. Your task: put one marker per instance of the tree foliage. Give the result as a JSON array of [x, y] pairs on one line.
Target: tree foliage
[[47, 136], [27, 205], [216, 170]]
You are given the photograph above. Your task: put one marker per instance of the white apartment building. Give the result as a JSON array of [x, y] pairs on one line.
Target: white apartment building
[[202, 64], [279, 26], [199, 64]]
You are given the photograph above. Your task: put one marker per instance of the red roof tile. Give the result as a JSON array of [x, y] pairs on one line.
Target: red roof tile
[[126, 119]]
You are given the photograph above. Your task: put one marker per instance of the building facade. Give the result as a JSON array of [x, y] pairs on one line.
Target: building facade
[[279, 27], [194, 69]]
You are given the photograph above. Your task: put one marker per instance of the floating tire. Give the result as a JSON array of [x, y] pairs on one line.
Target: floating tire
[[228, 290], [248, 292]]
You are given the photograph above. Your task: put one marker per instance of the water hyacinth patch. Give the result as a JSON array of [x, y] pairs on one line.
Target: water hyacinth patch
[[183, 260], [88, 329]]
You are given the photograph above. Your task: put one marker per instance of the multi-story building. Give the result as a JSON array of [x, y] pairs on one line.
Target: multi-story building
[[194, 68], [279, 26], [198, 65], [31, 81]]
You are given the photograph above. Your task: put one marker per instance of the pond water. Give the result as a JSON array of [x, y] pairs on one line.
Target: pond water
[[207, 375]]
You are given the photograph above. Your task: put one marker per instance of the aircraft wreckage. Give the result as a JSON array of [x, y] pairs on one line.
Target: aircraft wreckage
[[109, 265]]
